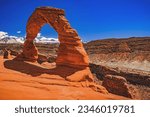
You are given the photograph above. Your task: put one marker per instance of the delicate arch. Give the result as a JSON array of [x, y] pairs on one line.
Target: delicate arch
[[70, 52]]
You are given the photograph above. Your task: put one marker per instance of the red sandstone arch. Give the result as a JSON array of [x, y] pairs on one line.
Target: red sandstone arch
[[70, 53]]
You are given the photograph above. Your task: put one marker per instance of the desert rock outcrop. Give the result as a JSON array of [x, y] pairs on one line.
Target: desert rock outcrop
[[13, 52], [132, 76], [52, 58], [70, 53], [123, 47], [6, 54], [117, 85], [41, 58]]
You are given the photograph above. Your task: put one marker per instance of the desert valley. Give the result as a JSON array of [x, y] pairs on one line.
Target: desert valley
[[124, 60]]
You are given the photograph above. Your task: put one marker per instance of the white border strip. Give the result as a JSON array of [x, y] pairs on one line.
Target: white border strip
[[141, 108]]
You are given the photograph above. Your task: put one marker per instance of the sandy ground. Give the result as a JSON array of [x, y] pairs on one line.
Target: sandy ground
[[25, 80]]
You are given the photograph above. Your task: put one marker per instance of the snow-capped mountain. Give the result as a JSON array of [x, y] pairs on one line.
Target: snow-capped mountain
[[12, 39], [5, 38], [46, 40], [42, 39]]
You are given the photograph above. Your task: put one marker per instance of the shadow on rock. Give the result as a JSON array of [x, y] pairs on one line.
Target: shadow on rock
[[37, 70]]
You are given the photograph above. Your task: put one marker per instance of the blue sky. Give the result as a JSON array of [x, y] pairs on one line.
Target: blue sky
[[93, 19]]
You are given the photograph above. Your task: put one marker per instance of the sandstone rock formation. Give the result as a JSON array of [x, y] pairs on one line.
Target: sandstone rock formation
[[106, 46], [51, 58], [41, 58], [123, 47], [13, 52], [30, 52], [120, 50], [117, 85], [35, 81], [70, 53], [6, 54], [132, 76]]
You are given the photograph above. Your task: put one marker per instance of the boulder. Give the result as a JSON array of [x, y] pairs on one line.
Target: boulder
[[117, 85], [132, 76], [41, 58], [13, 52], [52, 58], [6, 54]]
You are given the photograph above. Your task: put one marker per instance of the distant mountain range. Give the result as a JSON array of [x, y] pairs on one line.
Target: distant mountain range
[[42, 39], [12, 39], [5, 38]]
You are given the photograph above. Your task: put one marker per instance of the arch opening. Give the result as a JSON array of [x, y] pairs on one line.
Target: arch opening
[[47, 44]]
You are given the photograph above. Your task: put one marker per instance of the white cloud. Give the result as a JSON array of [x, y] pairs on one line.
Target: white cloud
[[3, 34], [39, 35], [43, 39], [18, 31]]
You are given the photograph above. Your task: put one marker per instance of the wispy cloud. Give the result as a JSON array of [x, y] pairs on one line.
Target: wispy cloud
[[18, 31]]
